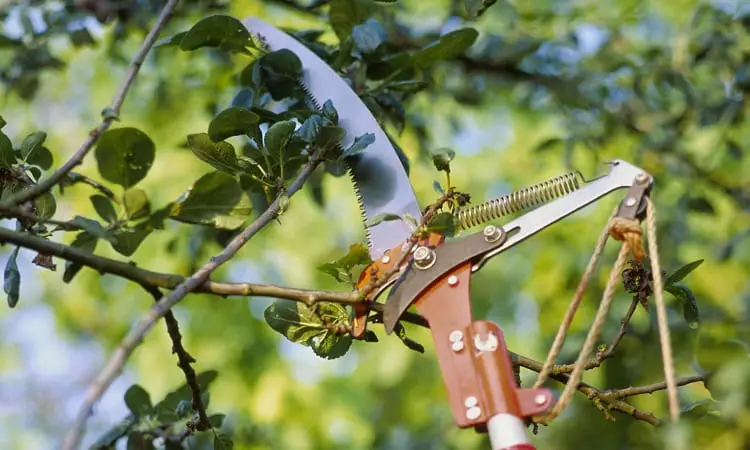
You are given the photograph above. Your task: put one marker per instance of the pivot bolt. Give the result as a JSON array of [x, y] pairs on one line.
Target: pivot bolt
[[630, 201], [473, 413], [641, 178], [386, 259], [492, 233], [424, 258]]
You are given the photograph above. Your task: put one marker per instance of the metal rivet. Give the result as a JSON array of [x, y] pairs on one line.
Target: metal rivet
[[456, 336], [641, 177], [492, 233], [630, 201], [471, 402], [457, 346], [488, 345], [452, 280], [424, 258], [540, 399], [386, 259], [473, 413]]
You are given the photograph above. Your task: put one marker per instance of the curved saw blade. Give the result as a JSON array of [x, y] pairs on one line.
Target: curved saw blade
[[380, 181]]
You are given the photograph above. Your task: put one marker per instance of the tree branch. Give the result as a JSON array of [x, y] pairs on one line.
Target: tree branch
[[111, 114], [114, 366], [650, 388], [184, 360]]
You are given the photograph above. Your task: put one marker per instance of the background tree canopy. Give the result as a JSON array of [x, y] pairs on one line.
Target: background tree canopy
[[520, 91]]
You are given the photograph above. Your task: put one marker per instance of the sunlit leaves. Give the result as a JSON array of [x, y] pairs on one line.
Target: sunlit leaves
[[124, 156], [216, 199], [232, 121], [12, 279], [136, 203], [348, 268], [314, 328], [220, 155], [449, 46], [219, 31]]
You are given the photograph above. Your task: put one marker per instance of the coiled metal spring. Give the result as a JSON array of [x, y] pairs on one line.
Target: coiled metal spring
[[523, 199]]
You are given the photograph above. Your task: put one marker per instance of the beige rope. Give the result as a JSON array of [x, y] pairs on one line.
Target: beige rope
[[661, 314], [554, 351], [601, 315]]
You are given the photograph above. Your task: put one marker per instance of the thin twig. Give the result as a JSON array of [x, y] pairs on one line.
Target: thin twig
[[114, 366], [651, 388], [133, 273], [184, 360], [661, 314], [14, 212], [113, 111]]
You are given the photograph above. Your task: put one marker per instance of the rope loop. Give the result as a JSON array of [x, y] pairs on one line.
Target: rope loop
[[630, 232]]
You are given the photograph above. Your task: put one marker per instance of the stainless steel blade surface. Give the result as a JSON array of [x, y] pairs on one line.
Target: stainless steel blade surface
[[380, 181]]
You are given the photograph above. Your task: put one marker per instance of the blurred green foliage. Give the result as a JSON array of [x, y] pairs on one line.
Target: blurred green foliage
[[520, 91]]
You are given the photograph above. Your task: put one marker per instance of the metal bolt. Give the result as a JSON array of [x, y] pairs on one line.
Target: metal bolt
[[452, 280], [424, 258], [540, 399], [386, 259], [473, 413], [456, 336], [492, 233], [471, 401], [641, 178], [457, 346], [630, 201]]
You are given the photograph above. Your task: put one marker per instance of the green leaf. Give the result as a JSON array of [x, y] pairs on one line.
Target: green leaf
[[277, 137], [359, 145], [126, 242], [682, 272], [166, 409], [41, 158], [220, 31], [442, 159], [700, 408], [344, 15], [81, 37], [280, 72], [216, 199], [32, 144], [443, 223], [689, 304], [449, 46], [172, 41], [329, 136], [124, 156], [136, 204], [220, 155], [232, 121], [310, 128], [138, 401], [410, 86], [475, 8], [83, 241], [104, 207], [223, 441], [12, 283], [357, 258], [330, 113], [93, 227], [45, 205], [382, 217], [438, 188], [2, 122], [6, 41], [7, 156], [299, 324], [369, 35], [217, 420]]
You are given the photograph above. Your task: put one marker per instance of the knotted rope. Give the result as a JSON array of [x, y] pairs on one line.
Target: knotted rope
[[629, 232]]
